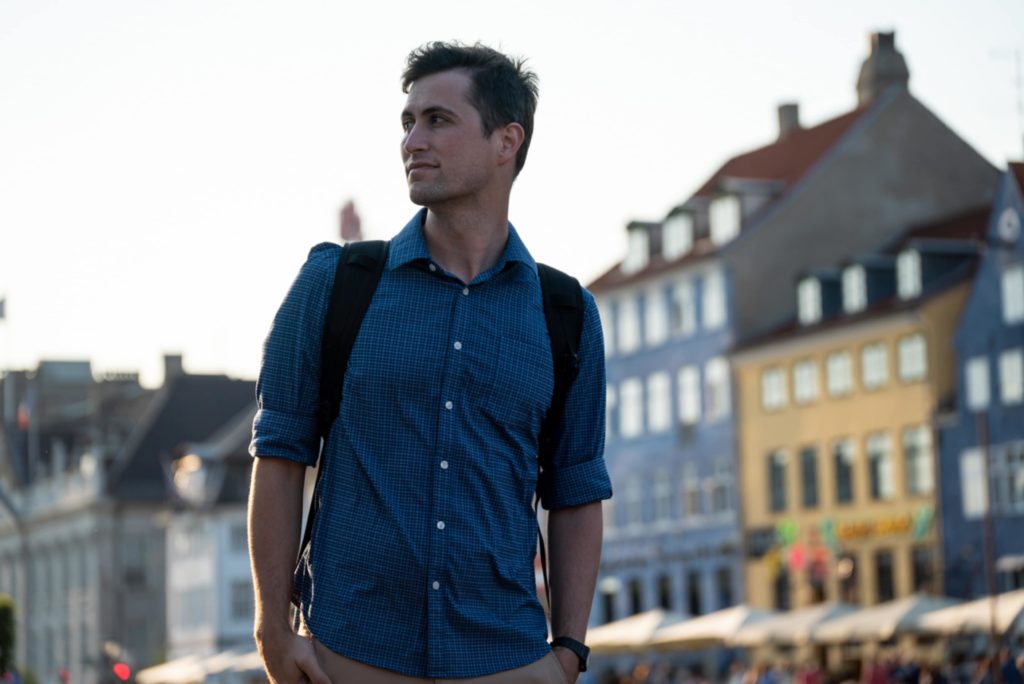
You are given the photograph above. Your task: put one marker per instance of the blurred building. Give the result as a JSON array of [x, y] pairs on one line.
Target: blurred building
[[85, 466], [982, 434], [720, 269], [836, 438]]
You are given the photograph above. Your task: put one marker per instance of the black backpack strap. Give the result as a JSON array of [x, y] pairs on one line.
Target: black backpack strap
[[359, 270], [563, 311]]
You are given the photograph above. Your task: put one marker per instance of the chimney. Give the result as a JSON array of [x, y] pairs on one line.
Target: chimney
[[789, 119], [884, 67], [173, 367]]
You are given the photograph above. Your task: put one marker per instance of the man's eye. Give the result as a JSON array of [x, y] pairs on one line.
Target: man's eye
[[406, 125], [436, 119]]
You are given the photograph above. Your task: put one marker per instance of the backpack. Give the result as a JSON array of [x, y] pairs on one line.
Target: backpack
[[359, 270]]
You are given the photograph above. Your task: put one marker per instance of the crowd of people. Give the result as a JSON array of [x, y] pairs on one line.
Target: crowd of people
[[1006, 668]]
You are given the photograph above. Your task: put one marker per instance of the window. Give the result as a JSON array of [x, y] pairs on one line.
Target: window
[[714, 301], [638, 251], [977, 383], [908, 274], [1013, 294], [776, 481], [922, 565], [773, 388], [875, 366], [721, 485], [629, 325], [884, 580], [809, 477], [693, 593], [656, 317], [608, 605], [809, 301], [665, 592], [662, 496], [1011, 376], [636, 596], [241, 601], [691, 491], [849, 586], [604, 312], [633, 501], [805, 381], [973, 489], [689, 395], [842, 462], [659, 402], [631, 412], [917, 449], [717, 395], [840, 374], [1007, 478], [855, 297], [781, 589], [724, 215], [683, 312], [880, 470], [723, 582], [913, 358], [677, 235]]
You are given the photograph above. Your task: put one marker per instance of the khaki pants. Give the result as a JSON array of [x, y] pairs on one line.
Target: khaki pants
[[342, 670]]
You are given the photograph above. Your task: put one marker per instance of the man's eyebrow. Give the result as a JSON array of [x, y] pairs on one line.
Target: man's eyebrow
[[432, 109]]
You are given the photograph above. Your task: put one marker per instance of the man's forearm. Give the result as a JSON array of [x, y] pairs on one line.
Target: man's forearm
[[275, 520], [574, 543]]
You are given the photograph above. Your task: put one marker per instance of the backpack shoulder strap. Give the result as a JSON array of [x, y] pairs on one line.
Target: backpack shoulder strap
[[355, 280], [563, 311]]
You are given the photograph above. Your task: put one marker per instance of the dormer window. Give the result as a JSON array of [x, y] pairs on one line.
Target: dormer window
[[908, 274], [725, 219], [638, 251], [809, 301], [677, 236], [855, 297]]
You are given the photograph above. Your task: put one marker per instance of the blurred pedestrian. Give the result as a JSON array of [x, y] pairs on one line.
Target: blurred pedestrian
[[420, 564]]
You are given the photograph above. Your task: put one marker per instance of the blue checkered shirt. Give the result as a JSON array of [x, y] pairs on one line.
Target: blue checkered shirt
[[422, 559]]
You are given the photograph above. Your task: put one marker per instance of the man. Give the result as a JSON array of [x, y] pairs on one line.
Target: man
[[421, 567]]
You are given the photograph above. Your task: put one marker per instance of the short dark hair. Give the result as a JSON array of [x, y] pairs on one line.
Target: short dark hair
[[504, 91]]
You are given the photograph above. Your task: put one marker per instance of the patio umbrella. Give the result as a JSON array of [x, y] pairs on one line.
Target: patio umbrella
[[975, 617], [795, 627], [882, 622], [713, 629], [630, 634]]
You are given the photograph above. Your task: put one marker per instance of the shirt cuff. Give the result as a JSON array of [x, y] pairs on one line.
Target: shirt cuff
[[576, 485], [285, 435]]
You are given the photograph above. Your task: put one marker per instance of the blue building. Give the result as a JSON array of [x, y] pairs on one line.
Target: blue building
[[982, 432]]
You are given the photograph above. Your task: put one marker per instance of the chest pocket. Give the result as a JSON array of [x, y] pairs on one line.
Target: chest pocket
[[515, 386]]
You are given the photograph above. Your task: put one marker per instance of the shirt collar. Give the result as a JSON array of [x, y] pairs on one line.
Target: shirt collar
[[410, 246]]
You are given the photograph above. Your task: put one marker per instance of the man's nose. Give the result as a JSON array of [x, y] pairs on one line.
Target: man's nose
[[415, 140]]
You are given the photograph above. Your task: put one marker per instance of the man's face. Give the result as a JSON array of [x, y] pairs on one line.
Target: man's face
[[444, 150]]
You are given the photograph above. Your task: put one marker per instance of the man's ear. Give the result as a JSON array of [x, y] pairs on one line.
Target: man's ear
[[510, 138]]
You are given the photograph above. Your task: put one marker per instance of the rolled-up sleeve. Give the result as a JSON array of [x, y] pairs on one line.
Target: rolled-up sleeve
[[288, 388], [578, 474]]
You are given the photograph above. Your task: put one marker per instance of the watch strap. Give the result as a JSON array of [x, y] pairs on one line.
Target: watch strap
[[577, 647]]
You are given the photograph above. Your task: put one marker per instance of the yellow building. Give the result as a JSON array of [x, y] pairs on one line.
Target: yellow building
[[836, 447]]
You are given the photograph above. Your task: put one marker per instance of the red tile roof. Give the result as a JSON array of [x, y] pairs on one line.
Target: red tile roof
[[787, 159]]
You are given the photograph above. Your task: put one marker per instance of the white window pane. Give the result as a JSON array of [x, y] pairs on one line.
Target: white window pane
[[920, 460], [973, 492], [913, 358], [714, 301], [725, 219], [656, 317], [805, 381], [683, 317], [908, 274], [773, 388], [717, 394], [677, 236], [1013, 294], [875, 366], [840, 374], [659, 402], [689, 395], [631, 411], [629, 325], [638, 251], [809, 301], [1011, 376], [977, 383], [854, 289]]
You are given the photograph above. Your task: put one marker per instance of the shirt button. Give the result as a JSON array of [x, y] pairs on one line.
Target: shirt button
[[440, 524], [458, 346], [444, 465], [465, 290], [436, 585], [433, 268], [448, 405]]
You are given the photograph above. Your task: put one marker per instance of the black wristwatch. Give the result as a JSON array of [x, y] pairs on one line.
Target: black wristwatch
[[581, 651]]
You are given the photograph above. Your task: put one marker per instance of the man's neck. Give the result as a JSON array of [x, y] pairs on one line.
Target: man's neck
[[466, 242]]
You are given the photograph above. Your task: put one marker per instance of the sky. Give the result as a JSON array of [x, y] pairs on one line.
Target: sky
[[166, 166]]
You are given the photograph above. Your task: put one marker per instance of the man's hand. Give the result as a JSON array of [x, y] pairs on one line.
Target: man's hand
[[569, 661], [290, 658]]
